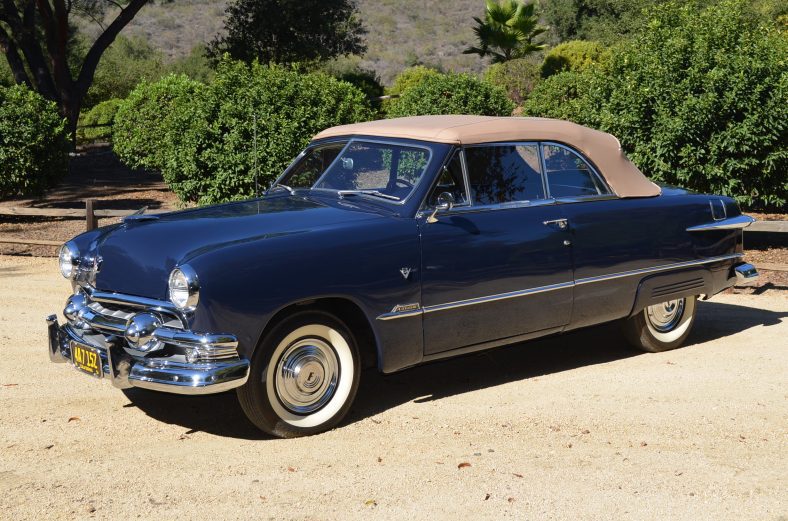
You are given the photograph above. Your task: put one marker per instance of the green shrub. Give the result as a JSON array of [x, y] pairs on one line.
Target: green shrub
[[698, 100], [452, 94], [33, 143], [203, 139], [142, 121], [566, 95], [96, 124], [517, 77], [407, 79], [576, 56]]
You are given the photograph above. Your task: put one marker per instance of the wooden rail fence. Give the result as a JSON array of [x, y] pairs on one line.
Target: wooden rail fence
[[89, 213]]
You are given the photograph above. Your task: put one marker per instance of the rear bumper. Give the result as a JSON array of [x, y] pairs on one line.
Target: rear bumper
[[158, 374]]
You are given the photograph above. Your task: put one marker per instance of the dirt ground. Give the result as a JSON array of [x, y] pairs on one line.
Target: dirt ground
[[573, 427]]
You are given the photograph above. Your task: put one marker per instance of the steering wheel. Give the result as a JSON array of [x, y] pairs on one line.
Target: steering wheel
[[403, 183]]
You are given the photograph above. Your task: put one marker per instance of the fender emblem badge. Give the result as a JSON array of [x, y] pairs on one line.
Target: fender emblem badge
[[405, 272], [403, 308]]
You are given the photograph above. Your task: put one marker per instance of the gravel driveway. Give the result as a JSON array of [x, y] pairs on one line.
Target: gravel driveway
[[574, 427]]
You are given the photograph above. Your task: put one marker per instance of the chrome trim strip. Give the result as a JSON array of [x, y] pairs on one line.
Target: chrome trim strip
[[562, 285], [500, 296], [120, 299], [656, 269], [731, 223]]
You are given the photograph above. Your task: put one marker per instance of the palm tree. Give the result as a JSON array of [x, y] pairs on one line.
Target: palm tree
[[507, 31]]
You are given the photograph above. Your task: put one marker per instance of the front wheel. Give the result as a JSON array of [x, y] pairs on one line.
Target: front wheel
[[661, 327], [304, 376]]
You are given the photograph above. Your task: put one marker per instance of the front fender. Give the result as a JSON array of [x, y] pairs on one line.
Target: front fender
[[244, 285]]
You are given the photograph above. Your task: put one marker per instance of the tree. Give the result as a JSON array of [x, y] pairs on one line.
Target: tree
[[36, 37], [289, 31], [507, 31]]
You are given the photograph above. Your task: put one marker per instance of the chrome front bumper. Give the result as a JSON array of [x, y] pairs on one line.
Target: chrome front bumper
[[170, 375]]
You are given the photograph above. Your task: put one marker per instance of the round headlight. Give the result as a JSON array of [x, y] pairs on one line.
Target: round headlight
[[184, 289], [68, 259]]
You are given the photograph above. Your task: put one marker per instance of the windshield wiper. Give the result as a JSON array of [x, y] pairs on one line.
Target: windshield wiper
[[375, 193], [283, 187]]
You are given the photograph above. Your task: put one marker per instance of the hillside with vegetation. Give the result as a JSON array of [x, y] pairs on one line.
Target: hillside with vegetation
[[400, 32]]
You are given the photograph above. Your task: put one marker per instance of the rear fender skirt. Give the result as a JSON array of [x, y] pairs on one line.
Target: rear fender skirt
[[669, 286]]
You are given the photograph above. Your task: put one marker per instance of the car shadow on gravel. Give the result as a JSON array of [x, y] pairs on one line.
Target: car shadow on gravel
[[222, 416]]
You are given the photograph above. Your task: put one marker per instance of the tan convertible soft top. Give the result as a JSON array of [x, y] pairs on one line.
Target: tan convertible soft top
[[602, 149]]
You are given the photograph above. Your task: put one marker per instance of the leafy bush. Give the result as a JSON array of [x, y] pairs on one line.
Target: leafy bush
[[143, 120], [203, 139], [699, 99], [407, 79], [96, 124], [576, 56], [33, 142], [517, 77], [452, 94]]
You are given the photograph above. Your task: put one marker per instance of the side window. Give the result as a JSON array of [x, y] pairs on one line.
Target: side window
[[504, 173], [568, 174], [308, 170], [451, 180]]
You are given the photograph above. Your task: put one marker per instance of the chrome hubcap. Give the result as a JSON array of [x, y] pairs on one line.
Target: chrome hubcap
[[665, 316], [306, 375]]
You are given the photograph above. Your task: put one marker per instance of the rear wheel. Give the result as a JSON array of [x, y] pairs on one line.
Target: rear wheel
[[304, 376], [661, 327]]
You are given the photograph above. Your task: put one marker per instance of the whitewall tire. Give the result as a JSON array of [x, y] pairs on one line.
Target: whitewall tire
[[304, 376], [663, 326]]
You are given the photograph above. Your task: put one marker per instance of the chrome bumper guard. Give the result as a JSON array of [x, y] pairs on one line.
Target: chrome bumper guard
[[167, 374]]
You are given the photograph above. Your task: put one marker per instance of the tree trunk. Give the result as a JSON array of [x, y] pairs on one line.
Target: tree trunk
[[69, 108]]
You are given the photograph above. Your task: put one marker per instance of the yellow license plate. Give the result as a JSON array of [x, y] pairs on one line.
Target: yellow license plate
[[86, 359]]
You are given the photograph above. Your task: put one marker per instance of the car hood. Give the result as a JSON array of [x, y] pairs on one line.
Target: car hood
[[138, 255]]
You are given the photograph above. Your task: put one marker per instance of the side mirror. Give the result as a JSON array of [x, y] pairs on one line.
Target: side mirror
[[445, 203]]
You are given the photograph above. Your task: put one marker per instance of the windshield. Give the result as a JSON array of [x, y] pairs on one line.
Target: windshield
[[384, 170]]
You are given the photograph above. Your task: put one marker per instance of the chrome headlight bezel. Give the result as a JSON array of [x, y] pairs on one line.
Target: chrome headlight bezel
[[183, 288], [68, 260]]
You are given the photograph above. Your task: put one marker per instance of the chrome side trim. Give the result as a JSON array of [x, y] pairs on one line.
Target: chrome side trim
[[554, 287], [730, 223], [656, 269], [500, 296]]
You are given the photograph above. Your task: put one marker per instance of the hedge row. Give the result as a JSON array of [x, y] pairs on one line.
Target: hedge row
[[33, 143], [201, 137]]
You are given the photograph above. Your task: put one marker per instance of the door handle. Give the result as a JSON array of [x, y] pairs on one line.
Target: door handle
[[561, 223]]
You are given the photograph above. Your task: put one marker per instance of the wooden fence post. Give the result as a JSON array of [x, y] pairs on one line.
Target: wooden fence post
[[90, 216]]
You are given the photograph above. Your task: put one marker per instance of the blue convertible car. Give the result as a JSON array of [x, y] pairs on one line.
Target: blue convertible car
[[389, 244]]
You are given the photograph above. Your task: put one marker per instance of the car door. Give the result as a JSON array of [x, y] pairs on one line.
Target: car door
[[497, 265]]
